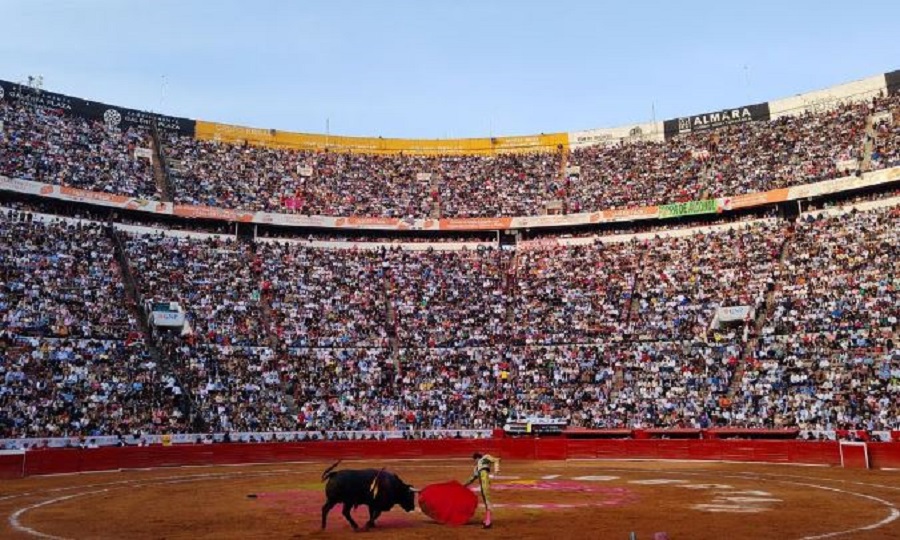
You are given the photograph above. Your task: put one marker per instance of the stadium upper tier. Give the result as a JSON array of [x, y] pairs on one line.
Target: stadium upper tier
[[820, 142]]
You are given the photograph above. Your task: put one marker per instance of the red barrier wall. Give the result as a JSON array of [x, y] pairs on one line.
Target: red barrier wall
[[11, 465], [882, 455]]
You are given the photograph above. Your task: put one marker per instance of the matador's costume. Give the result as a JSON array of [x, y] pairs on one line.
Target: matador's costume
[[483, 464]]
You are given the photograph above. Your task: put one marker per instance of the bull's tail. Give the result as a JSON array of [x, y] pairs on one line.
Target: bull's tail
[[327, 474]]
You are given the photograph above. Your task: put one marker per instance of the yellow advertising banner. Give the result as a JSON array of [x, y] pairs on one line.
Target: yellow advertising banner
[[378, 145]]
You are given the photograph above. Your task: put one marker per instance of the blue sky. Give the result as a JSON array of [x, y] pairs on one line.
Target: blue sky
[[430, 69]]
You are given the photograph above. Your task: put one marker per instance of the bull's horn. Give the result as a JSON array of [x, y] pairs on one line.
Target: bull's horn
[[415, 490]]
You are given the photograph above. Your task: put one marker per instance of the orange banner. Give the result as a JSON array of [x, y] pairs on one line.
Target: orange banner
[[92, 195], [209, 212], [757, 199], [625, 214], [357, 221], [474, 224]]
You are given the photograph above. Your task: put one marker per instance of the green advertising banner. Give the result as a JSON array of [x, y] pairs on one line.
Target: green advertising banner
[[707, 206]]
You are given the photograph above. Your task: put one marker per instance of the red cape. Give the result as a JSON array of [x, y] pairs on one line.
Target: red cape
[[449, 503]]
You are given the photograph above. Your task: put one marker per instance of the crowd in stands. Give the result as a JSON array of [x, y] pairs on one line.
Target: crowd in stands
[[425, 389], [737, 159], [60, 279], [43, 144], [885, 139], [829, 355], [733, 160], [285, 337], [822, 382], [257, 178], [449, 298], [71, 356], [46, 145], [218, 281], [663, 288], [54, 387], [574, 294], [683, 280], [247, 177], [840, 275], [674, 384], [501, 185], [325, 297]]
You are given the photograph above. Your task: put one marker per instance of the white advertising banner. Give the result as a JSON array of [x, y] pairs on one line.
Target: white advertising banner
[[883, 116], [649, 131], [829, 98], [843, 184], [845, 165], [733, 313], [168, 319]]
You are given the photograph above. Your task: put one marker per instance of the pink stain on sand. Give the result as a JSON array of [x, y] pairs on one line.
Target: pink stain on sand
[[600, 495], [308, 503]]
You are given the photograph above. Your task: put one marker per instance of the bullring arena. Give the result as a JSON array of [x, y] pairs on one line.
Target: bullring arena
[[678, 329], [534, 498]]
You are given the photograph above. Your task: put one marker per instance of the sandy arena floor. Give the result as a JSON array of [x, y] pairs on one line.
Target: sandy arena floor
[[575, 499]]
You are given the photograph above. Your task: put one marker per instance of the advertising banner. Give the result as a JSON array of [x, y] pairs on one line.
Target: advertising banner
[[168, 319], [707, 206], [82, 195], [756, 199], [209, 212], [820, 101], [846, 183], [758, 112], [474, 224], [552, 142], [733, 313], [362, 222], [892, 82], [110, 115], [649, 131], [626, 214]]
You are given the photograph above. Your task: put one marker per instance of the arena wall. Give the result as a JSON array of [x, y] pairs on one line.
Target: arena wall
[[68, 461]]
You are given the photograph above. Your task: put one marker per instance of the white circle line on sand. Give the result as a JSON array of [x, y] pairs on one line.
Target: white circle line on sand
[[133, 481], [729, 461], [893, 513], [840, 480], [657, 482], [16, 524], [728, 509], [15, 518]]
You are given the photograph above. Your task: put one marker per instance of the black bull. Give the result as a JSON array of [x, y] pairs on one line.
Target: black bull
[[378, 489]]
